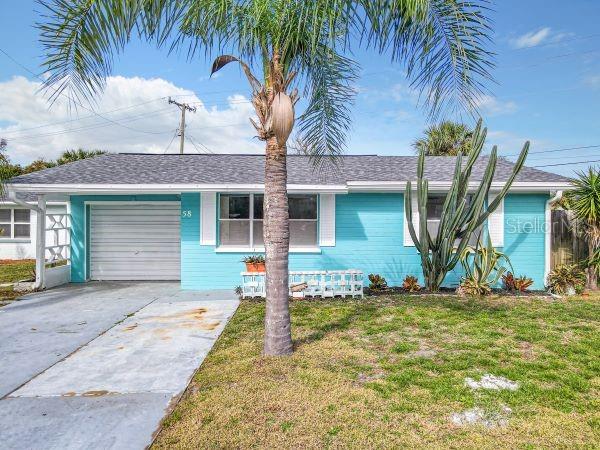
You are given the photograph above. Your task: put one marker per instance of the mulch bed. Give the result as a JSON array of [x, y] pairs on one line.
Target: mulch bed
[[445, 291]]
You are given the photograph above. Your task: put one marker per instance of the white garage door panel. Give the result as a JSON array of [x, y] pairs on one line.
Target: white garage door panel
[[135, 242]]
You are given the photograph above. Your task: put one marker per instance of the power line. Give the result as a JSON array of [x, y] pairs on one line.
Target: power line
[[200, 143], [569, 163], [82, 118], [75, 101], [93, 126], [170, 142], [560, 157], [556, 150]]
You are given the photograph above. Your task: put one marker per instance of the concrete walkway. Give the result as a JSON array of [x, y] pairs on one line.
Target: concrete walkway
[[98, 365]]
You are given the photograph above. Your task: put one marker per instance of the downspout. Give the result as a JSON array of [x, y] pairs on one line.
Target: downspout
[[40, 242], [548, 232]]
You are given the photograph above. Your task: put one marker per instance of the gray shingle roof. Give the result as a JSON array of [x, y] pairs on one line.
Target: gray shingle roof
[[249, 169]]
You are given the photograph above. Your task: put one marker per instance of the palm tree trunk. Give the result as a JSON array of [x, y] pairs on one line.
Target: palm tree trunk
[[592, 280], [276, 231]]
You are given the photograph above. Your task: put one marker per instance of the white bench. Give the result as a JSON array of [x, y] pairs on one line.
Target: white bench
[[319, 283]]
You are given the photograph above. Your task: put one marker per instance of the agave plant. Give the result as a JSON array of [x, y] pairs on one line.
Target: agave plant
[[483, 267], [460, 217]]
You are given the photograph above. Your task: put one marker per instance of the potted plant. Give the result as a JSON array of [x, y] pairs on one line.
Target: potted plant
[[254, 263]]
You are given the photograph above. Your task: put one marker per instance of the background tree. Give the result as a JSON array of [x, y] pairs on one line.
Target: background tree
[[294, 44], [584, 201], [75, 155], [445, 139]]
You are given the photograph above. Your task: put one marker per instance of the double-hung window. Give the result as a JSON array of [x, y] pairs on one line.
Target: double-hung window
[[14, 223], [241, 220], [435, 206]]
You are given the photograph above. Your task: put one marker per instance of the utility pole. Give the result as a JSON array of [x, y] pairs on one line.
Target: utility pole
[[182, 107]]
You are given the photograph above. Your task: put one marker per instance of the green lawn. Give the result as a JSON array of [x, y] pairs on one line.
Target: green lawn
[[389, 372], [11, 271]]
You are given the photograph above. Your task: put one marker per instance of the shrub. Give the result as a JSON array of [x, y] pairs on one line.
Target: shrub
[[508, 281], [512, 283], [411, 284], [564, 277], [377, 282], [522, 283]]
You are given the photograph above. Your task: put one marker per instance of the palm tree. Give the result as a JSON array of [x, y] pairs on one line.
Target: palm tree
[[446, 139], [295, 44], [584, 201], [75, 155]]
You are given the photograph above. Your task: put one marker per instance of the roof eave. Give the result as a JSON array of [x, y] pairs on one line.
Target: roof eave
[[350, 186]]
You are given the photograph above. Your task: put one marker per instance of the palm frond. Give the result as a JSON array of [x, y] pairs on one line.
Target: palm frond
[[81, 38], [326, 120], [443, 43]]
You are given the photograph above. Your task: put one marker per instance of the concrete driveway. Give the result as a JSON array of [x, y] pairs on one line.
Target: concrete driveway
[[97, 365]]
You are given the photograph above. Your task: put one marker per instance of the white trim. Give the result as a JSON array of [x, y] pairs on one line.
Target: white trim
[[495, 222], [127, 202], [225, 249], [407, 238], [350, 186], [208, 218], [442, 186], [167, 188], [326, 220]]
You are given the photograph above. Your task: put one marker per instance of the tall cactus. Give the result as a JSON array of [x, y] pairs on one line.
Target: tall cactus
[[460, 217]]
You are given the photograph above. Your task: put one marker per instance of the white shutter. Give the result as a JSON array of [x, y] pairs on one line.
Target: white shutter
[[496, 223], [208, 218], [327, 220], [415, 216]]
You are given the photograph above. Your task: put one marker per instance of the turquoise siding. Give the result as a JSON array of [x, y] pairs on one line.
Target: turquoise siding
[[79, 220], [369, 236]]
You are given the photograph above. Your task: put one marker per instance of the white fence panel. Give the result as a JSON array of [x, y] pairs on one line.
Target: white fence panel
[[326, 283]]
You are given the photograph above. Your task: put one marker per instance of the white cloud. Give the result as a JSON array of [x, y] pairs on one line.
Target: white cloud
[[492, 106], [401, 92], [592, 81], [136, 103], [531, 38]]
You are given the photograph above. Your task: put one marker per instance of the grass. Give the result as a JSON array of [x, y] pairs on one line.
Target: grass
[[12, 271], [389, 372]]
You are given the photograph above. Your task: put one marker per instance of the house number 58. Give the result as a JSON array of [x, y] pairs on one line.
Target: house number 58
[[186, 213]]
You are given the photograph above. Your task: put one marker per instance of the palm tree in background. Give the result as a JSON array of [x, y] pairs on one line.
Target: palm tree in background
[[446, 139], [75, 155], [296, 48], [584, 201]]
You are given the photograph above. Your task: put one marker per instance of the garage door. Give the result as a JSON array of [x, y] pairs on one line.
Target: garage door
[[135, 242]]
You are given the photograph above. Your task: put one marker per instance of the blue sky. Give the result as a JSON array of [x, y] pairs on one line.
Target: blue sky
[[547, 90]]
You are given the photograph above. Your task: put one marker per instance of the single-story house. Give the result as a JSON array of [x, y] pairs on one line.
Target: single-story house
[[18, 224], [193, 217]]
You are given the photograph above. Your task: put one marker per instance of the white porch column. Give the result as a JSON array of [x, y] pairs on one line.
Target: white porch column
[[40, 244]]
